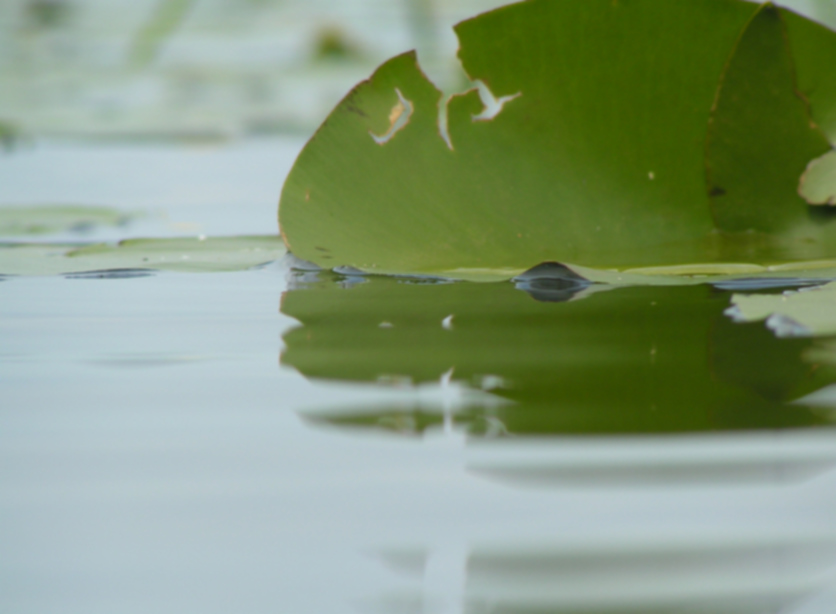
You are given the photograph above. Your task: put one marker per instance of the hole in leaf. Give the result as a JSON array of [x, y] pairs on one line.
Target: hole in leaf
[[398, 119], [493, 105], [443, 128]]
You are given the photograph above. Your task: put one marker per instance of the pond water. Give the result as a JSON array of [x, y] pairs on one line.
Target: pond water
[[288, 440]]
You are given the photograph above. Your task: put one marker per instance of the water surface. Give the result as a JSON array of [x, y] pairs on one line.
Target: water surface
[[275, 440]]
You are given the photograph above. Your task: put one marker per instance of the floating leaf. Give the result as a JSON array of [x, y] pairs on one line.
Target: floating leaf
[[803, 313], [187, 255], [48, 219], [700, 273], [34, 258], [625, 135], [168, 15]]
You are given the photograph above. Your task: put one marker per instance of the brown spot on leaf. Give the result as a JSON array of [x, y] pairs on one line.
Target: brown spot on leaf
[[352, 108]]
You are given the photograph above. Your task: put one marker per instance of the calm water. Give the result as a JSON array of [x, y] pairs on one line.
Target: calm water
[[290, 441]]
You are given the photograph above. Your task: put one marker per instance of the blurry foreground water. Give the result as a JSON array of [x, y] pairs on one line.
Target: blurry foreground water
[[278, 440]]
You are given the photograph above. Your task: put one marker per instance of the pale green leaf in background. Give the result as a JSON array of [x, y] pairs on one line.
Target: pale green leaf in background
[[48, 219], [194, 255], [167, 16]]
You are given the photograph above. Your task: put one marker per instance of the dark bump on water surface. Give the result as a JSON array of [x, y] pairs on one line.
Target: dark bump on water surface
[[752, 284], [111, 274], [551, 282], [717, 191]]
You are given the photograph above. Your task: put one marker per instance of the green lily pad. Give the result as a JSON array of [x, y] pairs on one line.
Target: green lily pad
[[194, 255], [662, 137], [807, 312], [48, 219]]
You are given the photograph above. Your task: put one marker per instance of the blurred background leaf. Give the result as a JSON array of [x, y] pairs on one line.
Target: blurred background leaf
[[215, 68], [168, 15]]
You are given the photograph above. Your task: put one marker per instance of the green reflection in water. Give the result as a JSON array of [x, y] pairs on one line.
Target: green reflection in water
[[610, 360]]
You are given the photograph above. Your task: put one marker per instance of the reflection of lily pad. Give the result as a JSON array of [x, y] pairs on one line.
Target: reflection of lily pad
[[807, 312], [629, 135], [699, 572], [51, 219], [633, 359], [188, 255]]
